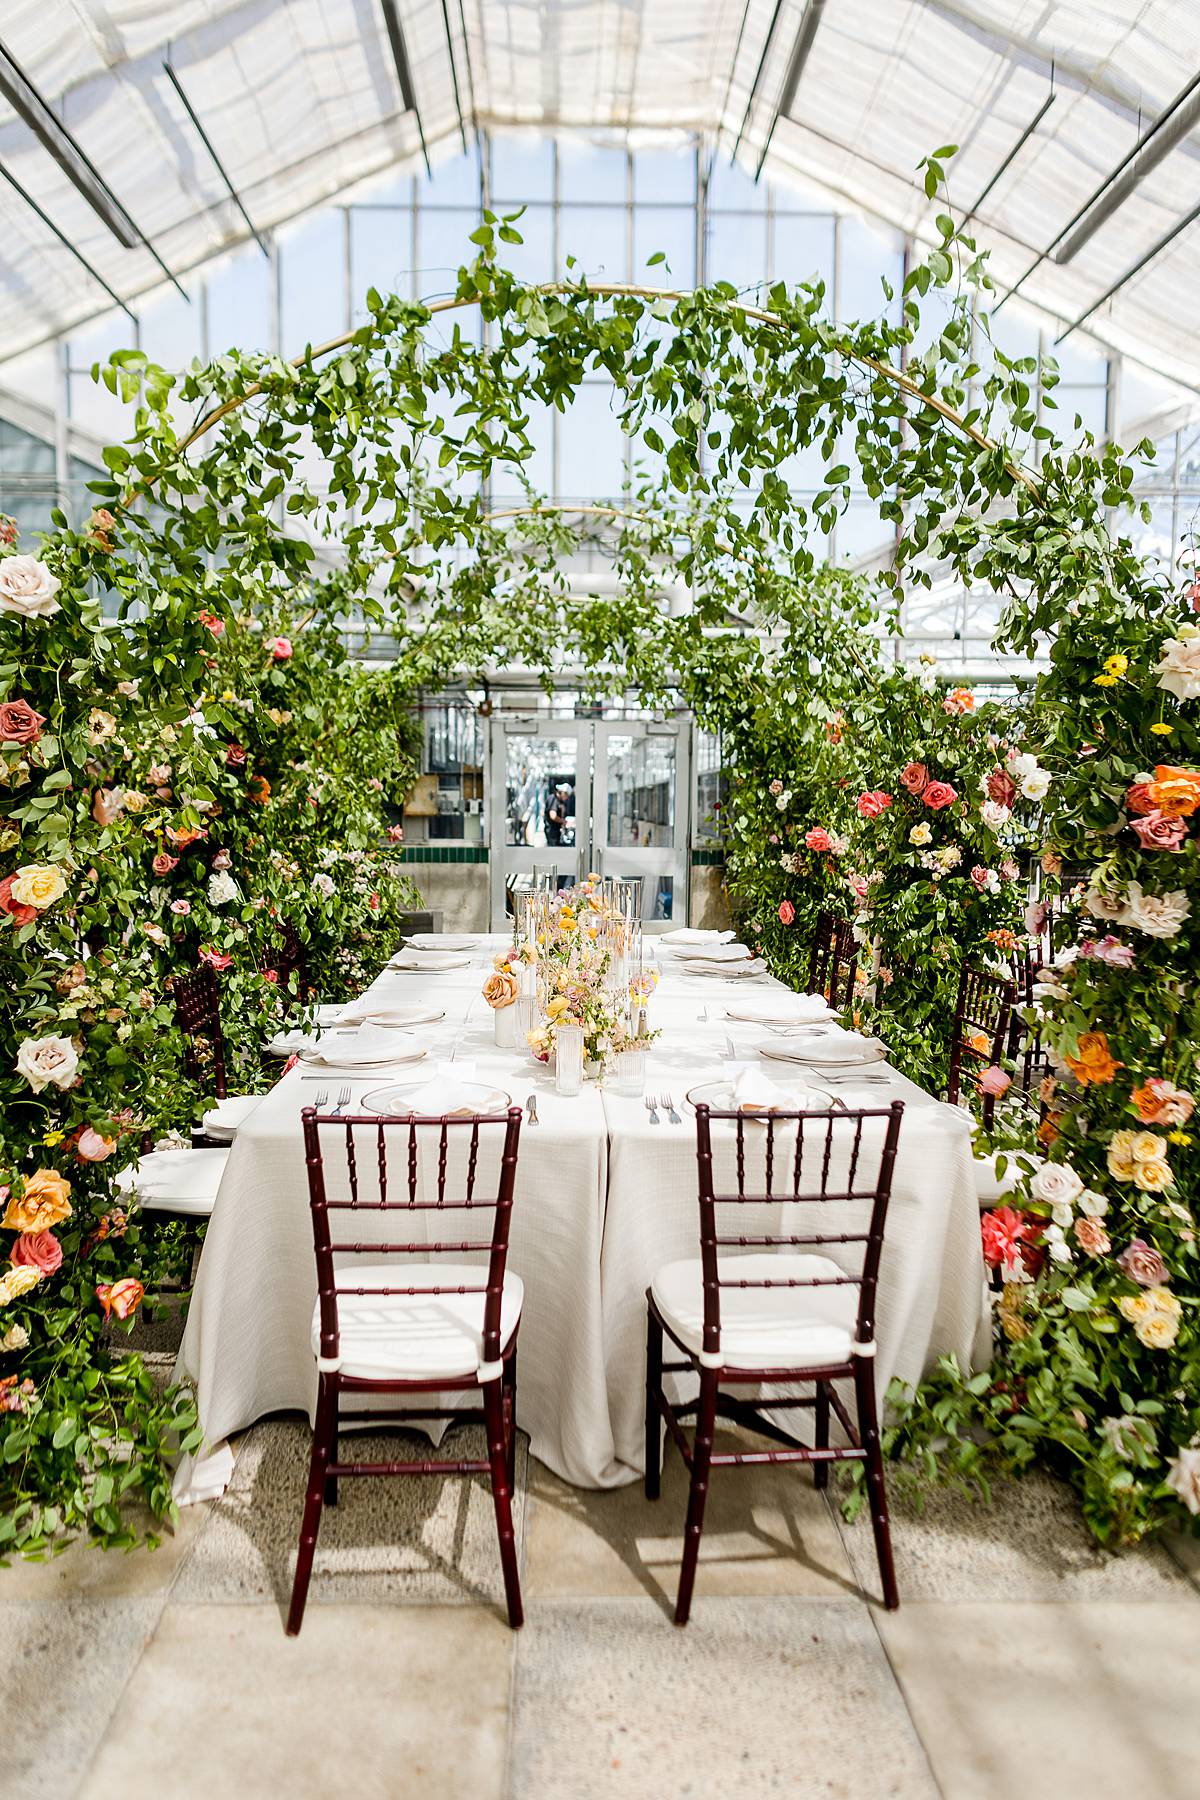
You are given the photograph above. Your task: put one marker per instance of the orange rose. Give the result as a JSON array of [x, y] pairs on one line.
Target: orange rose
[[1048, 1130], [1094, 1062], [1175, 792], [258, 789], [42, 1204]]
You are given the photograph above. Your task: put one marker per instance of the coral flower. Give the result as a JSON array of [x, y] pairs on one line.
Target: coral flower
[[258, 788], [939, 794], [1093, 1062], [915, 777], [787, 912], [870, 805], [20, 915], [120, 1298], [959, 700], [38, 1250]]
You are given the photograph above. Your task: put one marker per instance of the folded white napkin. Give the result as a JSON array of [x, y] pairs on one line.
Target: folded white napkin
[[428, 961], [366, 1044], [442, 940], [827, 1052], [391, 1018], [752, 1092], [783, 1008], [722, 952], [176, 1175], [452, 1088], [723, 971], [686, 935], [228, 1115]]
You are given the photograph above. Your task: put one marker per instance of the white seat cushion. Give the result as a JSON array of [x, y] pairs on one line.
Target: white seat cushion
[[175, 1181], [763, 1328], [225, 1117], [991, 1188], [416, 1337]]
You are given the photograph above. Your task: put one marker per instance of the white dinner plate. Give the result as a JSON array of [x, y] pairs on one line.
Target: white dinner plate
[[719, 1094], [427, 962], [228, 1115], [829, 1053], [397, 1098], [366, 1046], [783, 1011], [395, 1018]]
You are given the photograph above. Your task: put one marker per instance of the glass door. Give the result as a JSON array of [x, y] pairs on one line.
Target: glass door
[[640, 825], [540, 806]]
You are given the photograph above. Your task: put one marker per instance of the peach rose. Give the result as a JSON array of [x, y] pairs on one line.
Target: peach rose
[[1092, 1237], [19, 724], [42, 1203], [1175, 792], [120, 1298], [92, 1147], [500, 989], [38, 1250], [915, 777]]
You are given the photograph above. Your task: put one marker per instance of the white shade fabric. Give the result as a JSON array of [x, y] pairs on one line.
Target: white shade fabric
[[302, 101]]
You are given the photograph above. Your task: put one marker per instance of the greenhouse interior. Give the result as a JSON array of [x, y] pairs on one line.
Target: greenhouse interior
[[600, 744]]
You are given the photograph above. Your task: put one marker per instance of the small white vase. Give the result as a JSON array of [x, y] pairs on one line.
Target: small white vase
[[504, 1022]]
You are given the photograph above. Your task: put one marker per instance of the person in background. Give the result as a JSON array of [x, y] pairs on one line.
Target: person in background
[[559, 811]]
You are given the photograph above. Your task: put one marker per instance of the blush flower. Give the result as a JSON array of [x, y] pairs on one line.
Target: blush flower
[[787, 912], [38, 1250], [870, 805], [914, 777], [281, 649], [1155, 831], [1143, 1264]]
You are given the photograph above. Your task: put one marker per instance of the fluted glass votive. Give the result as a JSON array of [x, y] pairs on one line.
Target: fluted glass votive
[[568, 1059], [629, 1073]]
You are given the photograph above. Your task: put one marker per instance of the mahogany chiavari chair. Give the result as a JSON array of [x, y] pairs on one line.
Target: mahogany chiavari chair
[[427, 1326], [291, 959], [779, 1311], [197, 999], [979, 1032], [833, 961]]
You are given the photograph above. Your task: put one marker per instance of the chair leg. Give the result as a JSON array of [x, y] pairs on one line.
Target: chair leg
[[654, 1354], [493, 1406], [706, 1420], [868, 1419], [326, 1422], [510, 1419], [821, 1438], [331, 1481]]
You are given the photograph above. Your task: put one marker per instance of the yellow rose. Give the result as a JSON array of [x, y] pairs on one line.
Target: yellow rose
[[18, 1281], [1158, 1332], [1153, 1176], [38, 884], [41, 1205], [1135, 1306], [1147, 1146], [1163, 1300], [557, 1007], [1120, 1154], [135, 802]]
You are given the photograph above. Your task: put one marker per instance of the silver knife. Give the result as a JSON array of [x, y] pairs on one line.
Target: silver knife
[[531, 1109]]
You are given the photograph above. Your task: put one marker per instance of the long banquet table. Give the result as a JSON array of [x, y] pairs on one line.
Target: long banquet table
[[603, 1198]]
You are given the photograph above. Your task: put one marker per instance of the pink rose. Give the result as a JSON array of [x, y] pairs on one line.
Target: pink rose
[[271, 975], [1143, 1264], [871, 804], [859, 886], [211, 623], [787, 912], [235, 756], [979, 875], [215, 959], [39, 1250], [1156, 832], [92, 1147], [395, 832], [181, 907], [163, 864], [1092, 1237], [1009, 869], [19, 724], [818, 839], [120, 1298], [994, 1082], [373, 902], [158, 773], [107, 805], [281, 649], [939, 794], [222, 860], [915, 777]]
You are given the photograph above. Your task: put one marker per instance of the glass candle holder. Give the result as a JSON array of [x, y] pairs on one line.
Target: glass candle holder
[[504, 1022], [525, 1007], [629, 1073], [568, 1059]]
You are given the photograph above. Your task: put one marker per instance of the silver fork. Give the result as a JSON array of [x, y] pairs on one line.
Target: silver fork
[[319, 1100], [666, 1100], [343, 1101], [651, 1106]]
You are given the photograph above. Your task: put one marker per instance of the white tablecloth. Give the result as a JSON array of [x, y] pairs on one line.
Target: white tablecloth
[[602, 1199]]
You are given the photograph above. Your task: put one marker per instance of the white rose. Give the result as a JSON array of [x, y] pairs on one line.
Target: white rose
[[1105, 906], [15, 1338], [920, 834], [1183, 1478], [323, 884], [994, 816], [43, 1061], [222, 888], [1178, 670], [1056, 1184], [1035, 785], [1158, 915], [1057, 1246], [1093, 1204], [27, 587], [1022, 765]]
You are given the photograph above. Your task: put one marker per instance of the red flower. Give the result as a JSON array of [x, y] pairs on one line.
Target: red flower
[[373, 902], [787, 912], [939, 794], [20, 915], [1001, 787], [235, 756], [271, 975], [281, 648]]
